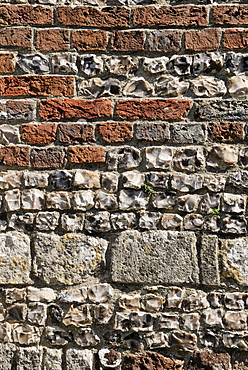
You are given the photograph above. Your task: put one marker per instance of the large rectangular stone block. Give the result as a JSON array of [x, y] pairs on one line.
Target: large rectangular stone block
[[155, 257]]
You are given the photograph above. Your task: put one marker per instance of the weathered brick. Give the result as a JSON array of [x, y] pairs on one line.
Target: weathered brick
[[152, 109], [48, 158], [201, 40], [25, 15], [230, 15], [128, 40], [209, 360], [92, 16], [115, 132], [39, 134], [37, 85], [226, 131], [151, 361], [230, 110], [17, 110], [183, 15], [168, 41], [16, 38], [7, 63], [53, 40], [90, 40], [152, 131], [235, 39], [14, 156], [75, 108], [86, 154], [75, 133]]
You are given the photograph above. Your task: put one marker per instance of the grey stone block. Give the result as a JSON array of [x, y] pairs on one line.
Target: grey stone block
[[209, 260], [155, 257]]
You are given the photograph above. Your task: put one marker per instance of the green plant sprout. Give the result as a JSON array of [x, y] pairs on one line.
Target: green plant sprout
[[147, 189], [215, 211]]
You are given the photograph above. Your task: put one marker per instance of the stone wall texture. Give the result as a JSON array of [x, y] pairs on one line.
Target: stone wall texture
[[123, 185]]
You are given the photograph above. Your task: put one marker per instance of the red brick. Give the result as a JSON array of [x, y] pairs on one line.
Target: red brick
[[37, 86], [226, 131], [39, 134], [16, 38], [75, 108], [115, 132], [182, 15], [14, 156], [49, 158], [128, 40], [152, 109], [18, 110], [76, 133], [235, 39], [230, 15], [86, 154], [209, 360], [168, 41], [92, 16], [52, 40], [7, 63], [201, 40], [25, 15], [90, 40], [150, 361]]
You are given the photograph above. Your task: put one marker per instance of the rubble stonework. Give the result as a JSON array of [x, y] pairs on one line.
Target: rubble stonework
[[123, 185]]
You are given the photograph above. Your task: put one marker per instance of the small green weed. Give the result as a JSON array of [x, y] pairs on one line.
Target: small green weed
[[215, 211], [147, 189]]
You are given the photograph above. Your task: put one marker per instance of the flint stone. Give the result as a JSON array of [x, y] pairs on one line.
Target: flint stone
[[155, 257], [72, 222], [156, 340], [110, 181], [122, 221], [9, 134], [47, 220], [10, 180], [234, 224], [15, 262], [32, 179], [124, 158], [98, 222], [64, 64], [186, 183], [91, 65], [122, 65], [33, 64], [158, 157], [155, 65], [67, 259]]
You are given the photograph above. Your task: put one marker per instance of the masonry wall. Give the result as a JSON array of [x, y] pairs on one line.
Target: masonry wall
[[123, 185]]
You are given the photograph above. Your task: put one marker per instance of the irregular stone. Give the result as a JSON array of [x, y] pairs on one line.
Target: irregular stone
[[34, 179], [234, 340], [22, 221], [168, 321], [15, 258], [40, 295], [155, 65], [10, 180], [156, 340], [232, 63], [222, 158], [133, 180], [152, 303], [164, 40], [96, 87], [133, 341], [79, 359], [158, 179], [87, 338], [187, 134], [109, 357], [33, 199], [87, 179], [215, 299], [5, 333], [191, 321], [17, 110], [149, 220], [175, 297], [233, 224], [167, 85], [55, 314], [184, 340], [210, 204], [9, 135], [238, 179], [82, 254], [158, 157], [234, 300], [122, 65], [231, 110], [97, 222], [152, 131], [15, 295], [74, 295], [211, 360], [193, 222], [171, 221], [188, 203], [214, 182], [60, 179], [52, 358], [26, 334], [238, 86], [57, 336], [189, 160], [235, 320], [124, 158], [91, 65], [123, 221], [158, 257], [213, 317], [46, 221], [83, 200], [132, 200], [33, 63], [105, 201], [209, 62], [138, 87], [100, 293], [37, 313], [17, 312], [78, 316], [64, 64], [58, 200], [151, 360], [167, 200], [122, 321], [186, 183], [102, 314], [109, 181], [140, 321], [29, 358], [130, 302], [12, 200], [232, 203], [208, 87], [195, 301], [180, 64], [72, 222], [209, 260]]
